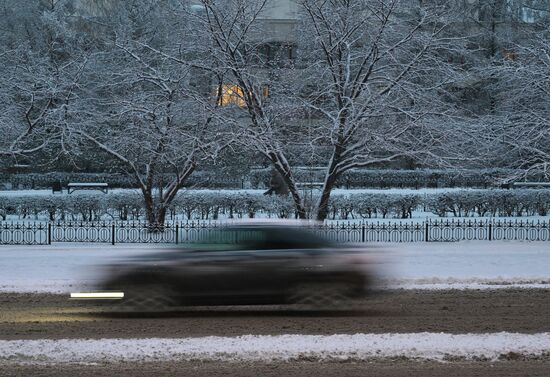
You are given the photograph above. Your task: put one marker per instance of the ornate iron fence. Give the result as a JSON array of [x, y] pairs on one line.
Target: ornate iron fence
[[81, 231], [23, 233], [461, 230]]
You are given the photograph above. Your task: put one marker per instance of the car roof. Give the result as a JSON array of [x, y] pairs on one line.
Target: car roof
[[283, 223]]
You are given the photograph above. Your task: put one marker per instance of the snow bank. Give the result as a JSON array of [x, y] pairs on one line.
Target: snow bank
[[464, 284], [428, 346]]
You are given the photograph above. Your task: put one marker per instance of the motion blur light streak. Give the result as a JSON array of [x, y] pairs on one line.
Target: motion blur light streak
[[98, 295]]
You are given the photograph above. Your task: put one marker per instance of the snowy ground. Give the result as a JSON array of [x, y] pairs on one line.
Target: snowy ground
[[64, 267], [427, 346]]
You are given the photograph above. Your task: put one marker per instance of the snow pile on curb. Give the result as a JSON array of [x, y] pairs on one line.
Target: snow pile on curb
[[466, 283], [421, 346]]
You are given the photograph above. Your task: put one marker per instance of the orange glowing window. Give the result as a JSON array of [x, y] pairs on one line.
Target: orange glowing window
[[228, 94], [231, 94]]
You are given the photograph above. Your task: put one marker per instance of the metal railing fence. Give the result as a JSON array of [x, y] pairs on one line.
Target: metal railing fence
[[25, 233]]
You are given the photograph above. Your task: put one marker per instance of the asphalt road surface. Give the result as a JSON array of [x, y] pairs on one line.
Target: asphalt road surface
[[47, 316]]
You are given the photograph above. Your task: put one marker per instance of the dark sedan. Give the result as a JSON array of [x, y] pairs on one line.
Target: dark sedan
[[247, 264]]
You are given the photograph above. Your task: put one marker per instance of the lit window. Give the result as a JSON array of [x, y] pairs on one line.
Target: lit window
[[231, 94]]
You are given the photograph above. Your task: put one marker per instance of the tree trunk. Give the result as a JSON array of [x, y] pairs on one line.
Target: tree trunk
[[149, 207], [332, 176], [161, 215], [330, 180], [292, 188], [300, 209], [322, 208], [155, 215]]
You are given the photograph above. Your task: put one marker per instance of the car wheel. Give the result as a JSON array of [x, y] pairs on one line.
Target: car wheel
[[148, 298], [332, 296]]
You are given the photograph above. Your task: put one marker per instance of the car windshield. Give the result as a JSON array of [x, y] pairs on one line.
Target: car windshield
[[254, 238]]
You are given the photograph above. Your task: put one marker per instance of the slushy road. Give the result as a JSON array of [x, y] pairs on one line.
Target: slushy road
[[44, 317]]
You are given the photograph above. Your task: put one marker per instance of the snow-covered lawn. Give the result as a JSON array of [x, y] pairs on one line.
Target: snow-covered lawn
[[427, 346], [64, 267]]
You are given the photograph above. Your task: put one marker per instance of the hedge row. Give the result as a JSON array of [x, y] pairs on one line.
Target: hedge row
[[88, 207], [214, 205], [114, 180], [365, 205], [129, 206], [491, 202], [465, 203], [381, 178], [259, 178]]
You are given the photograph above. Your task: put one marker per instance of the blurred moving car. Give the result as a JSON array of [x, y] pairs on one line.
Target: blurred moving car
[[248, 264]]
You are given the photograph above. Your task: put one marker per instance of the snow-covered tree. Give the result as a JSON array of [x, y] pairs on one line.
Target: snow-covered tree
[[40, 72], [27, 100], [366, 88], [377, 81], [140, 108], [255, 102], [158, 87], [515, 73]]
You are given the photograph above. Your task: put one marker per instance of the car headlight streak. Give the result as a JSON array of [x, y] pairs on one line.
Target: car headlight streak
[[97, 295]]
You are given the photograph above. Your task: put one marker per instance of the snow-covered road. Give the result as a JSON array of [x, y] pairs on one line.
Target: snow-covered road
[[468, 264]]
